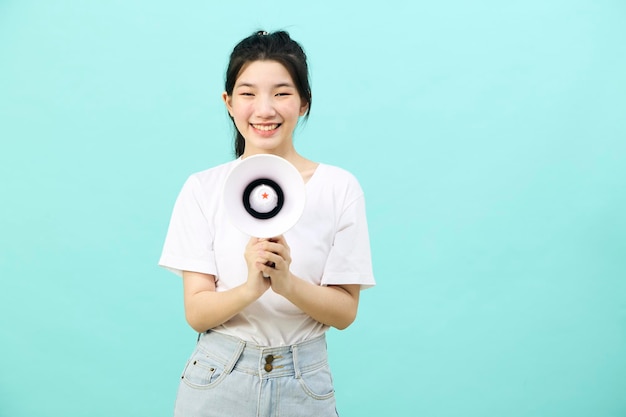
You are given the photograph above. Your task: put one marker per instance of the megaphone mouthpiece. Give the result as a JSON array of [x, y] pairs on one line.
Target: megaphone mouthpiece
[[263, 198]]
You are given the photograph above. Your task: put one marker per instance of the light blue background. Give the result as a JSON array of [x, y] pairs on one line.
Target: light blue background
[[490, 139]]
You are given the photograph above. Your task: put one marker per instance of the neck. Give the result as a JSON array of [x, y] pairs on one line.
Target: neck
[[303, 165], [289, 154]]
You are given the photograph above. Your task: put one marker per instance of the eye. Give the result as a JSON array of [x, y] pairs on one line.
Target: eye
[[282, 94], [246, 93]]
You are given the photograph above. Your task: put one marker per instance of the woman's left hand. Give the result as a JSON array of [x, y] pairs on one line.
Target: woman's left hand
[[333, 305], [274, 261]]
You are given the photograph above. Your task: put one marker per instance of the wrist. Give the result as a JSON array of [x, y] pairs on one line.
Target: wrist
[[287, 286], [252, 290]]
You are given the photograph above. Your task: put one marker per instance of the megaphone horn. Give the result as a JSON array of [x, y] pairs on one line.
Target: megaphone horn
[[264, 195]]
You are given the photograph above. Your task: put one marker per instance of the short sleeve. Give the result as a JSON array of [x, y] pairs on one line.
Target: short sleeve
[[349, 260], [189, 242]]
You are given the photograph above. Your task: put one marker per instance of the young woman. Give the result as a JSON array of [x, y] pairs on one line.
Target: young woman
[[262, 306]]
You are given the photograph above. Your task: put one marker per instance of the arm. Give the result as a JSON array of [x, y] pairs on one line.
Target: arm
[[206, 308], [333, 305]]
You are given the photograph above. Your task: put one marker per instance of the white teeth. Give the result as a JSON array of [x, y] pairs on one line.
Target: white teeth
[[265, 127]]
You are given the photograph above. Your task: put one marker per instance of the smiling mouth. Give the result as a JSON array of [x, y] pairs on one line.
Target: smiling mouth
[[266, 128]]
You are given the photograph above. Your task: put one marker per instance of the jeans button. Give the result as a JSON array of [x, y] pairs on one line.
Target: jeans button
[[268, 363]]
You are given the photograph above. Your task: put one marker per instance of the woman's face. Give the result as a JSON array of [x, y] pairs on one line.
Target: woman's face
[[265, 106]]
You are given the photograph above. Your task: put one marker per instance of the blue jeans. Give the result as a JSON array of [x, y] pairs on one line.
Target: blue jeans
[[228, 377]]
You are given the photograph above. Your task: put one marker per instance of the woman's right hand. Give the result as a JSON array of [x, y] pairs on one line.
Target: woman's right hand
[[256, 282]]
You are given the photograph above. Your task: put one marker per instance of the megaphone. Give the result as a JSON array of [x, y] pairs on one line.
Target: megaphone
[[264, 195]]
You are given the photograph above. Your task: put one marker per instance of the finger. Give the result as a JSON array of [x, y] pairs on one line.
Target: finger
[[265, 269], [267, 258], [276, 261], [253, 242], [271, 247], [280, 239], [279, 247]]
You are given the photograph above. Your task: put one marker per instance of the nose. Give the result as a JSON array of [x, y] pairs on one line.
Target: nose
[[264, 107]]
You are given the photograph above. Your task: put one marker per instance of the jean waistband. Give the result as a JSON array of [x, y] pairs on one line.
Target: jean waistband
[[266, 362]]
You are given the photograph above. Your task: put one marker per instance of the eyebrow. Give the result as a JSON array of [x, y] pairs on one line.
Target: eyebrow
[[279, 85]]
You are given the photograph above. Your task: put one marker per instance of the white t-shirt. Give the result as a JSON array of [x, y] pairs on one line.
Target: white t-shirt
[[329, 246]]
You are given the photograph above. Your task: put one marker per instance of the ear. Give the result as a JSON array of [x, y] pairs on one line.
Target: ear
[[304, 107], [227, 101]]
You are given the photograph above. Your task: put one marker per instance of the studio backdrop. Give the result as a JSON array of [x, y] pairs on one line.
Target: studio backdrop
[[489, 138]]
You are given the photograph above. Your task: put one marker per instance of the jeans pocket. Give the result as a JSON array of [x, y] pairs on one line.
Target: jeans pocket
[[202, 372], [318, 383]]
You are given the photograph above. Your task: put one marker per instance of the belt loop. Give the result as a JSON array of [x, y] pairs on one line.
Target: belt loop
[[235, 357], [296, 367]]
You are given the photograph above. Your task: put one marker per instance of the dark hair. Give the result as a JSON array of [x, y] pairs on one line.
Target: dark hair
[[264, 46]]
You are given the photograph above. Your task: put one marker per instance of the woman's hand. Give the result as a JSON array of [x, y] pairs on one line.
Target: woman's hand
[[256, 283], [333, 305], [274, 260]]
